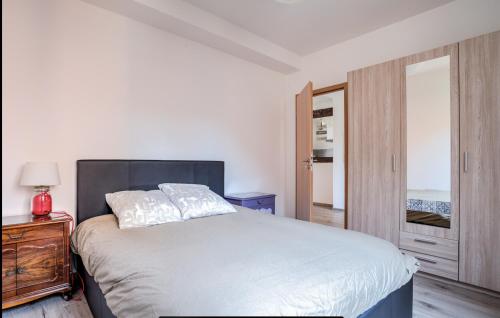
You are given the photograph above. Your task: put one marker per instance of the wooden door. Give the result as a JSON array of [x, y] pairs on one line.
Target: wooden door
[[374, 150], [8, 270], [40, 263], [303, 165], [479, 262]]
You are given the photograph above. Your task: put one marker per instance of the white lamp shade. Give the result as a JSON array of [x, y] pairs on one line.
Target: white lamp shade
[[40, 174]]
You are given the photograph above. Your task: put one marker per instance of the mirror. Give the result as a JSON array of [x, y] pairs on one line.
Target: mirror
[[428, 151]]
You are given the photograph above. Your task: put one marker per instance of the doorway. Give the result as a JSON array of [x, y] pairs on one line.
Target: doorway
[[321, 140]]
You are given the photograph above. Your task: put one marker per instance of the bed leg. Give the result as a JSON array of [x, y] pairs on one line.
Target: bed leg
[[67, 296]]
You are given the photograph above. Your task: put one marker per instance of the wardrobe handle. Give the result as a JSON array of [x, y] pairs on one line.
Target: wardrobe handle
[[423, 259], [466, 161], [393, 163]]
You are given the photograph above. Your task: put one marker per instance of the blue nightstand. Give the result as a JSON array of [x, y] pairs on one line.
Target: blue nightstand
[[262, 202]]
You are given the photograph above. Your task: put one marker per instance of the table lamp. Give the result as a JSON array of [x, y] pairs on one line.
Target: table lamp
[[40, 175]]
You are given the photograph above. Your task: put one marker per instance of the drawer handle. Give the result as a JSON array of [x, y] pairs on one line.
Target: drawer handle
[[425, 241], [423, 259], [15, 236], [20, 270]]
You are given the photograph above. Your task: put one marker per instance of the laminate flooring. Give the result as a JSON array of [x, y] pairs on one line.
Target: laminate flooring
[[439, 299], [327, 216]]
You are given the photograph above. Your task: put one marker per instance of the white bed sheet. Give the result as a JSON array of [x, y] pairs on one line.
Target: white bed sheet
[[244, 263]]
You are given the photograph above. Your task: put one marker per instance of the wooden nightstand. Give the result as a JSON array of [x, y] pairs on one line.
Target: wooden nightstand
[[262, 202], [35, 258]]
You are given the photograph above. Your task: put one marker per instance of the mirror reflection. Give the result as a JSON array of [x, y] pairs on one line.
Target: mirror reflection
[[428, 122]]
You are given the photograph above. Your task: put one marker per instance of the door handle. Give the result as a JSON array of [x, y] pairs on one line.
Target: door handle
[[20, 270], [308, 163], [393, 158]]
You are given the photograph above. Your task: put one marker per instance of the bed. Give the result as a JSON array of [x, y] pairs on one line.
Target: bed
[[243, 263]]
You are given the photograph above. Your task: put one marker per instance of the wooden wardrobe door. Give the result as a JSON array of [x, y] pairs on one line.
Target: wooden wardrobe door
[[452, 232], [479, 261], [374, 148], [303, 165]]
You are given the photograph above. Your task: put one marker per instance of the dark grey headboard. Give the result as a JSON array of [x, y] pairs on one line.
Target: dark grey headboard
[[95, 178]]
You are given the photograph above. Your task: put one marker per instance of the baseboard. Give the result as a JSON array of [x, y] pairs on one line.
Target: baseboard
[[460, 284]]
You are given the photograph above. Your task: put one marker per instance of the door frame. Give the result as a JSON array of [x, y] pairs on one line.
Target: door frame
[[327, 90]]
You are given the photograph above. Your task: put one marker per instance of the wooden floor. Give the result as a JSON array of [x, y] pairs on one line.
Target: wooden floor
[[52, 307], [438, 299], [327, 216], [431, 299]]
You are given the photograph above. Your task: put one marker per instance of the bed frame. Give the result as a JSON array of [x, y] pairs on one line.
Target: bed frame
[[97, 177]]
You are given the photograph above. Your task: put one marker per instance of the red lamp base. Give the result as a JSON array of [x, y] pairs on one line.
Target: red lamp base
[[42, 203]]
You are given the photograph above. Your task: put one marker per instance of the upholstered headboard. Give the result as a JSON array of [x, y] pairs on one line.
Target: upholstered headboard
[[95, 178]]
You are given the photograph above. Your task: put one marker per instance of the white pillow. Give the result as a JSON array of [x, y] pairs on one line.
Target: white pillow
[[171, 188], [196, 201], [142, 208]]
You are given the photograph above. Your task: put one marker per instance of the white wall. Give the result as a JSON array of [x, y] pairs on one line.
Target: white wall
[[82, 82], [450, 23], [428, 130], [107, 87]]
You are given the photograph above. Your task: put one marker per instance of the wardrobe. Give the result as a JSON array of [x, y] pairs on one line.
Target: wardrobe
[[424, 157]]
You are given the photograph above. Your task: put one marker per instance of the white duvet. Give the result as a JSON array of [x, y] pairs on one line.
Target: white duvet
[[243, 263]]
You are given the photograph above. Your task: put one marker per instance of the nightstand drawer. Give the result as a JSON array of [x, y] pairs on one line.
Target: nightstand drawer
[[29, 233], [256, 203], [436, 265], [429, 245]]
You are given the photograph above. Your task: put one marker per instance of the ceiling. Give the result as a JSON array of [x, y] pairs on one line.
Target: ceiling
[[306, 26]]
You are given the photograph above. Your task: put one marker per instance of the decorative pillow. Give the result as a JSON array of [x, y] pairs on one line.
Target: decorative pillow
[[197, 201], [142, 208]]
